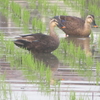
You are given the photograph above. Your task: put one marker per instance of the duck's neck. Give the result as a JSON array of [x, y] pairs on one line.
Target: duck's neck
[[87, 25], [87, 28], [51, 31]]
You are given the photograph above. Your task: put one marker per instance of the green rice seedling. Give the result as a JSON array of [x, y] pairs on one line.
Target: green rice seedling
[[25, 20], [38, 25], [15, 59], [15, 11], [65, 45], [2, 45], [54, 9], [85, 7], [42, 26], [42, 68], [38, 71], [48, 75], [5, 90], [26, 16], [1, 37], [5, 4], [89, 62], [27, 60], [62, 52], [97, 68], [43, 5], [98, 41], [32, 4], [34, 20], [15, 7], [9, 46], [97, 72], [97, 80], [76, 58], [72, 96]]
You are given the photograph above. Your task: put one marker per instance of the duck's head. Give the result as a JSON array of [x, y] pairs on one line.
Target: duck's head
[[93, 23], [91, 19], [54, 22]]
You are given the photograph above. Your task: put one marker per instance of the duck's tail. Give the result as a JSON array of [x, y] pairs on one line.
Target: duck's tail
[[21, 43]]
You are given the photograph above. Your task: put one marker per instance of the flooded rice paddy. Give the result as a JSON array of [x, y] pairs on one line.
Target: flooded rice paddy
[[66, 74]]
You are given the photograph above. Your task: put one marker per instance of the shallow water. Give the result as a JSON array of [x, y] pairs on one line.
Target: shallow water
[[70, 80]]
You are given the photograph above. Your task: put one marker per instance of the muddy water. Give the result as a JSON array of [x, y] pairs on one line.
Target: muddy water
[[70, 80]]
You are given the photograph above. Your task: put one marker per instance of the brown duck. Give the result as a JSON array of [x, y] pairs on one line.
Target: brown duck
[[40, 43], [76, 27]]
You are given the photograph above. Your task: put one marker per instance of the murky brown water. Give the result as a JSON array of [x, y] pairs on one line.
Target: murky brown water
[[70, 80]]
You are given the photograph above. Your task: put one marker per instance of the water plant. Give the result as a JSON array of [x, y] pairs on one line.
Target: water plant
[[24, 60], [32, 69], [85, 7], [45, 8], [76, 58], [72, 96], [97, 72], [38, 25], [37, 72], [5, 89]]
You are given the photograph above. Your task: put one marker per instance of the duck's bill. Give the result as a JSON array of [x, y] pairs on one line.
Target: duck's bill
[[61, 25], [95, 26]]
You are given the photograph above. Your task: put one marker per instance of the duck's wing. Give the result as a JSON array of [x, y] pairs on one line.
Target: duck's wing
[[30, 37], [26, 41]]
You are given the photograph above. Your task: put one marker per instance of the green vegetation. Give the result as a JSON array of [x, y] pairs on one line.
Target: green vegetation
[[35, 71], [85, 7], [32, 69], [38, 25], [5, 90], [45, 8], [76, 58]]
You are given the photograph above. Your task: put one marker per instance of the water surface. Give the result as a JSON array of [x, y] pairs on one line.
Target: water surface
[[71, 81]]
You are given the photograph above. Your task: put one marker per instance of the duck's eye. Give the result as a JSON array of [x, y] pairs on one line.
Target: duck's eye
[[55, 20], [91, 17], [56, 23]]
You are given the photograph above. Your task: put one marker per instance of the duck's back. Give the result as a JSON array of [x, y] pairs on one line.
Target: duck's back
[[38, 42], [74, 25]]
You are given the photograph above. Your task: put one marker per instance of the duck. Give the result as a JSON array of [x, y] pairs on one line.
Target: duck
[[39, 42], [75, 26]]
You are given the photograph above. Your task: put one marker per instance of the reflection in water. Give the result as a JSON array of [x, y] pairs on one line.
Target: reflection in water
[[8, 27], [73, 81], [84, 43], [3, 21], [11, 73], [48, 59]]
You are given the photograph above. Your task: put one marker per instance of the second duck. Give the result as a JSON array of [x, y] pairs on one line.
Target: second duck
[[75, 26]]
